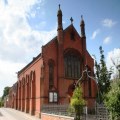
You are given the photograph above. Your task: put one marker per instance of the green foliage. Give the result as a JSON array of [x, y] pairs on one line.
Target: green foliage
[[112, 100], [77, 98], [1, 102], [103, 75], [5, 92], [77, 102], [70, 110]]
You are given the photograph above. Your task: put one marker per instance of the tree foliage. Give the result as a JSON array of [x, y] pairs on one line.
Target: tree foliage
[[5, 92], [77, 102], [102, 75], [1, 102], [112, 100]]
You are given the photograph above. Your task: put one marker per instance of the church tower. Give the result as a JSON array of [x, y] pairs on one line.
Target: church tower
[[83, 37], [60, 39], [82, 25]]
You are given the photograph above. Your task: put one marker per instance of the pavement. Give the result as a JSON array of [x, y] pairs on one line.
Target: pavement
[[12, 114]]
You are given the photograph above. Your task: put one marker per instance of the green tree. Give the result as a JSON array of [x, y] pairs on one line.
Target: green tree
[[77, 102], [1, 102], [102, 75], [5, 92], [112, 100]]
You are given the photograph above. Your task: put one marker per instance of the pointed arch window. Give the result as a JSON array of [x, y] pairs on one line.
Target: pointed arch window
[[51, 73], [72, 65]]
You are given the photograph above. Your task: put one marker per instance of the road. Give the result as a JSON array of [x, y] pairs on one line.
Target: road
[[11, 114]]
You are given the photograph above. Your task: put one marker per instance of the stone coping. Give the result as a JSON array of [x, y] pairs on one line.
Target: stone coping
[[62, 116]]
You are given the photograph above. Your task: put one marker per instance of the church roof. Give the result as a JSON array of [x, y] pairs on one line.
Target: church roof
[[54, 39], [34, 59]]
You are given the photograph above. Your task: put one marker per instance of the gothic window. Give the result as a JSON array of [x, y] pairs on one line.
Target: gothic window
[[72, 66], [51, 74]]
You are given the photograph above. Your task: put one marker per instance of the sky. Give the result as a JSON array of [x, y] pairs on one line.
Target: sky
[[26, 25]]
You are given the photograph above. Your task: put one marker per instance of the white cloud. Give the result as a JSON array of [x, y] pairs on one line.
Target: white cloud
[[8, 74], [95, 33], [40, 25], [16, 35], [33, 14], [107, 40], [113, 56], [108, 23], [18, 41], [64, 22]]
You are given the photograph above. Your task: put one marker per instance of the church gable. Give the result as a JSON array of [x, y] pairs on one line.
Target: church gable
[[72, 39]]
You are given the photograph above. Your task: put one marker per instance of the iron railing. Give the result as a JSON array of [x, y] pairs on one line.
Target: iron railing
[[102, 112], [56, 109], [61, 109]]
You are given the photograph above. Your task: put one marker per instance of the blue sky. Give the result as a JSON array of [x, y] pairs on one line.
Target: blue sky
[[27, 25]]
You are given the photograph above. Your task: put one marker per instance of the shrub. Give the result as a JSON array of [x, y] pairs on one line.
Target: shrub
[[112, 100], [77, 102]]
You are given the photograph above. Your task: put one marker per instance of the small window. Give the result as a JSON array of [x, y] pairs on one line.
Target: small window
[[53, 97], [72, 36], [51, 76]]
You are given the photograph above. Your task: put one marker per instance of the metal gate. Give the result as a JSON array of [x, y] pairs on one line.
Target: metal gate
[[101, 112]]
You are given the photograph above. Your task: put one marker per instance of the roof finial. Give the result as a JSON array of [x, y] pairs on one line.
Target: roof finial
[[82, 17], [82, 21], [82, 25], [71, 19], [59, 6]]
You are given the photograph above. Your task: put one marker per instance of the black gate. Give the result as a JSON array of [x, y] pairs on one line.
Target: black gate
[[101, 112]]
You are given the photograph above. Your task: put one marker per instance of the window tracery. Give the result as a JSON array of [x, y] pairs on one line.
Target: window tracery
[[72, 65]]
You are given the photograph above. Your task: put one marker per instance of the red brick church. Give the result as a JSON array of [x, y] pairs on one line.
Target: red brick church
[[49, 77]]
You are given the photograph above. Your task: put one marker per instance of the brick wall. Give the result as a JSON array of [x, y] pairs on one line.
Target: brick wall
[[46, 116]]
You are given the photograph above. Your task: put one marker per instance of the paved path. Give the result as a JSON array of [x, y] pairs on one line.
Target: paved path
[[11, 114]]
